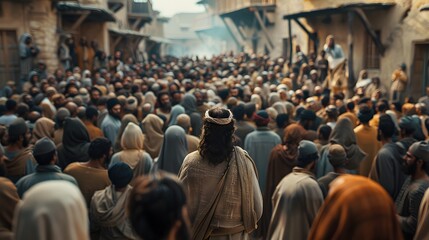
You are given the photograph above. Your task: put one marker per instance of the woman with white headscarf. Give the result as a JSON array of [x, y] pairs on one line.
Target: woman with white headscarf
[[132, 151], [52, 210]]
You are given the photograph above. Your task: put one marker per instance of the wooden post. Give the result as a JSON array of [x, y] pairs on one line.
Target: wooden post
[[350, 18], [290, 41], [264, 29], [80, 20]]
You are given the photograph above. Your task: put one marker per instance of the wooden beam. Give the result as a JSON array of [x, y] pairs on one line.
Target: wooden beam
[[350, 18], [80, 20], [264, 29], [290, 41], [116, 42], [237, 42], [362, 16], [312, 35], [137, 23]]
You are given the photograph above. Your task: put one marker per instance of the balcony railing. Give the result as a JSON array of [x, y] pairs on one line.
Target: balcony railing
[[225, 6], [140, 8]]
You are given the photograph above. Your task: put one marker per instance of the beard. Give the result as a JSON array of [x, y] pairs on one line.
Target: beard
[[166, 107], [409, 169], [115, 115]]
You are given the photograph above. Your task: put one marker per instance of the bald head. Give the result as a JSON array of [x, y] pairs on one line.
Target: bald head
[[72, 107], [184, 121]]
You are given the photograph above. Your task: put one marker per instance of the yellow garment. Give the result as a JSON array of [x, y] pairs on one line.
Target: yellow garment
[[366, 138], [374, 121], [352, 116], [89, 179]]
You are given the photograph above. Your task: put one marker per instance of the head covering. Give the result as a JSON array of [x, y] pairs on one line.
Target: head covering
[[420, 150], [127, 118], [112, 102], [43, 146], [48, 204], [189, 102], [356, 208], [17, 127], [149, 97], [132, 138], [120, 174], [176, 110], [75, 143], [344, 135], [218, 121], [174, 150], [280, 107], [337, 155], [307, 153], [8, 200], [44, 127], [407, 123], [152, 128], [261, 118]]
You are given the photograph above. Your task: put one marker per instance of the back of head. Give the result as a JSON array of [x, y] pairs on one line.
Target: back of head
[[238, 112], [261, 118], [91, 112], [308, 153], [98, 148], [356, 208], [120, 174], [48, 204], [337, 156], [184, 121], [365, 113], [18, 128], [386, 126], [249, 109], [11, 105], [216, 143], [156, 205], [324, 131], [44, 151]]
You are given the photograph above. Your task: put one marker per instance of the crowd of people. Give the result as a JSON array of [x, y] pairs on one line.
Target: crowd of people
[[233, 147]]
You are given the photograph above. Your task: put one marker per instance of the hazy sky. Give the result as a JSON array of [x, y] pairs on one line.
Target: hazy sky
[[170, 7]]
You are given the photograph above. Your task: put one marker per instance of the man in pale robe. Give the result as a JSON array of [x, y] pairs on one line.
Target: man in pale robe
[[297, 198]]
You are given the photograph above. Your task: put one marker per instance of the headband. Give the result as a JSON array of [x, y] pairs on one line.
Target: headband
[[219, 121]]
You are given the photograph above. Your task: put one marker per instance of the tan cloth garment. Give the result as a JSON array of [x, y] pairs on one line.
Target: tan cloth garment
[[296, 201], [88, 179], [193, 143], [8, 200], [152, 127], [356, 208], [366, 139], [109, 212], [16, 167], [44, 127], [52, 210], [422, 232], [241, 200], [127, 118], [58, 136]]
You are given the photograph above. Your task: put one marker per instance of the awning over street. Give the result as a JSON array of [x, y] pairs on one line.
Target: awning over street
[[127, 33], [343, 8], [94, 13], [159, 39]]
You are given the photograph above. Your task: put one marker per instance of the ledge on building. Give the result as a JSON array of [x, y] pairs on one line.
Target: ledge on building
[[343, 8], [96, 14], [159, 40], [127, 33]]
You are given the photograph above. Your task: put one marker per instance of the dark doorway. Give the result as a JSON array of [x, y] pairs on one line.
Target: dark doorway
[[9, 57], [419, 72]]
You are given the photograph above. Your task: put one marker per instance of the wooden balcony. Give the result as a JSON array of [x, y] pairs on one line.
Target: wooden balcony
[[228, 6], [139, 12]]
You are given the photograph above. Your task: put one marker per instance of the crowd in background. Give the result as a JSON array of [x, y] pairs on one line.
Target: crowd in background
[[322, 160]]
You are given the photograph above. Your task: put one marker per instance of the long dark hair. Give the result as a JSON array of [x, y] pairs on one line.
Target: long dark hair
[[217, 141], [155, 205]]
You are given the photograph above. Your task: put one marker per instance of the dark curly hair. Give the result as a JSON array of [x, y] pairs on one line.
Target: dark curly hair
[[217, 141], [155, 205]]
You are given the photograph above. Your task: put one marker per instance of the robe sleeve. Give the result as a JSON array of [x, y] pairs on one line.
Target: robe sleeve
[[409, 223]]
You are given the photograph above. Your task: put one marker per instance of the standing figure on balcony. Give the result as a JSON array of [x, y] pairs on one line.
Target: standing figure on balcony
[[27, 52], [85, 55], [334, 51], [399, 83]]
